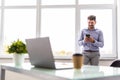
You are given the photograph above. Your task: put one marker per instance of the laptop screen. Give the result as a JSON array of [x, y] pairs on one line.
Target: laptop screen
[[40, 52]]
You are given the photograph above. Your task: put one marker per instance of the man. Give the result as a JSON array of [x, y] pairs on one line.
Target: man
[[91, 39]]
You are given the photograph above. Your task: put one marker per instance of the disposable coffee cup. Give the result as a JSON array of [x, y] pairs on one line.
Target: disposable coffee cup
[[77, 60]]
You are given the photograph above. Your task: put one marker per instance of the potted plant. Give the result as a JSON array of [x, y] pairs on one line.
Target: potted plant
[[18, 49]]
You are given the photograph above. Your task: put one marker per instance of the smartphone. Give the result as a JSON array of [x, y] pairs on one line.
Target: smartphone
[[88, 35]]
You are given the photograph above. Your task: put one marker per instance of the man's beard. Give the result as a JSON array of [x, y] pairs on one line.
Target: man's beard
[[91, 26]]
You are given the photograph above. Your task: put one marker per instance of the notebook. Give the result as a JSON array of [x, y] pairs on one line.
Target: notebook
[[41, 55]]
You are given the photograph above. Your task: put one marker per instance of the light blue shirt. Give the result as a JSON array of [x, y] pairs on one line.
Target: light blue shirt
[[98, 37]]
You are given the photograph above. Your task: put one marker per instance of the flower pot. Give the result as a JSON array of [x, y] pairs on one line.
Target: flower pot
[[18, 59]]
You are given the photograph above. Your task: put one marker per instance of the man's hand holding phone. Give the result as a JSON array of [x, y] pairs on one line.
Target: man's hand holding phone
[[88, 35], [88, 38]]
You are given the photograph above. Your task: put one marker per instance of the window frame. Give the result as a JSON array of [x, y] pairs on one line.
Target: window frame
[[77, 23], [77, 7]]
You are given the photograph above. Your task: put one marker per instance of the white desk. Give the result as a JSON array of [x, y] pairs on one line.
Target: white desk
[[86, 73]]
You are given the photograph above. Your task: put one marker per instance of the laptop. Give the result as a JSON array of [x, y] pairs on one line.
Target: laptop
[[40, 54]]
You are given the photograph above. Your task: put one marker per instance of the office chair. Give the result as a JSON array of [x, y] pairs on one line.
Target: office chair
[[115, 63]]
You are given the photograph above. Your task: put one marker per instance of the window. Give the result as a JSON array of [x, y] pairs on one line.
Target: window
[[19, 2], [21, 26], [61, 20], [57, 2], [18, 21], [96, 1], [103, 24], [60, 29], [85, 8]]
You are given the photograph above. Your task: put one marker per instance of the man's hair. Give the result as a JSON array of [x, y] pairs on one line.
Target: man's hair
[[92, 17]]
